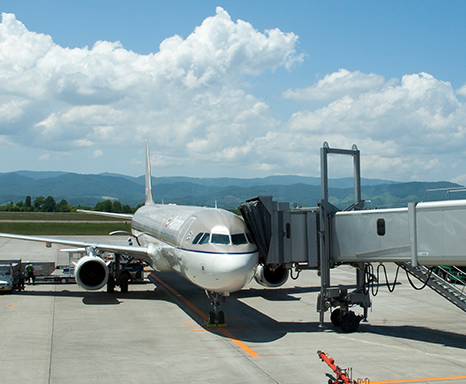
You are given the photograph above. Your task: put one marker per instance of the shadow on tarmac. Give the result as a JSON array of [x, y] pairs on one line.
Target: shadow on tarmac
[[249, 324], [424, 334]]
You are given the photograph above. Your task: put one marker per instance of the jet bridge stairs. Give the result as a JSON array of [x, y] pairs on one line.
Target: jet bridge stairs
[[325, 237], [453, 291]]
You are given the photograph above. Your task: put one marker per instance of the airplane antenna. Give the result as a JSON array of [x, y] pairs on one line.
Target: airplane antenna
[[149, 200], [216, 204]]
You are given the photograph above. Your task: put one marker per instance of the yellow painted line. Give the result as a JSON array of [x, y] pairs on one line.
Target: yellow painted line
[[418, 380], [239, 343]]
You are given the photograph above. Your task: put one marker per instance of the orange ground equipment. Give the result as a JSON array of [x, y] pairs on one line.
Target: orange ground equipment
[[343, 376]]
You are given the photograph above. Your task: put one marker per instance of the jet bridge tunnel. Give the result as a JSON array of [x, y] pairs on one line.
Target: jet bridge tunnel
[[321, 238]]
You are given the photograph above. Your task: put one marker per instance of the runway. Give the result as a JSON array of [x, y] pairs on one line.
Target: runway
[[156, 333]]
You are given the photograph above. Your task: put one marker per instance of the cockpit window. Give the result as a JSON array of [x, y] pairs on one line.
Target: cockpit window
[[205, 238], [238, 239], [196, 239], [220, 239], [249, 238]]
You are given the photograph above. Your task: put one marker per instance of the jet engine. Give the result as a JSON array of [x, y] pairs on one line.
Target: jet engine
[[271, 275], [91, 272]]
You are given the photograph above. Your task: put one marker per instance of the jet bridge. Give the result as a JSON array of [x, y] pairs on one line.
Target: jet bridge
[[322, 238]]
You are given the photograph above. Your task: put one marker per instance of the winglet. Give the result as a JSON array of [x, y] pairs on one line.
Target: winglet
[[149, 200]]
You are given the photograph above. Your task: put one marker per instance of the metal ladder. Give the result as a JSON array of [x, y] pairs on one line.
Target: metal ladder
[[449, 291]]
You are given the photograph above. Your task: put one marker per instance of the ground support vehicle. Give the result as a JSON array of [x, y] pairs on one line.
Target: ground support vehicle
[[62, 274], [9, 275], [451, 274]]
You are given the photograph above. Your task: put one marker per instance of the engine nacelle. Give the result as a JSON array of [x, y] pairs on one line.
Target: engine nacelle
[[91, 272], [271, 277]]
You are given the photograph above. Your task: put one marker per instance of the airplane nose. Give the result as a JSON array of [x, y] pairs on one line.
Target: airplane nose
[[233, 272]]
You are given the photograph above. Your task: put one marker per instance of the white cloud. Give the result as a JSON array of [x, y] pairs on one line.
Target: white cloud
[[462, 90], [187, 93], [404, 130], [191, 100], [97, 153], [336, 85]]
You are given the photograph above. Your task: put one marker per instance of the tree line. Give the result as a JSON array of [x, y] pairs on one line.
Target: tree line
[[48, 204]]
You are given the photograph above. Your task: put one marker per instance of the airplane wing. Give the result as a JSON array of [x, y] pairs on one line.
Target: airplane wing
[[127, 250], [124, 216]]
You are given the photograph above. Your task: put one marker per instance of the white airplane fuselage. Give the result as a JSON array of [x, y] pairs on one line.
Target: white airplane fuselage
[[207, 246]]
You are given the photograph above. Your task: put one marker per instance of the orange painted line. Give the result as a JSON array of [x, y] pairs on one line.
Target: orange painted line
[[239, 343], [418, 380], [194, 308], [9, 305]]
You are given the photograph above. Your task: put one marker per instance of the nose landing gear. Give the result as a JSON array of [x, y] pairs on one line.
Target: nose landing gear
[[216, 317]]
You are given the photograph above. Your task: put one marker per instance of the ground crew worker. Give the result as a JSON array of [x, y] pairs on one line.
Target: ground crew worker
[[30, 274]]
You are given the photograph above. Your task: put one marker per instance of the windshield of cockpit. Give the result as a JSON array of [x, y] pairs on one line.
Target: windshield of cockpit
[[222, 239]]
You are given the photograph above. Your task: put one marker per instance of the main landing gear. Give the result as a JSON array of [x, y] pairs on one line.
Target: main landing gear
[[216, 317]]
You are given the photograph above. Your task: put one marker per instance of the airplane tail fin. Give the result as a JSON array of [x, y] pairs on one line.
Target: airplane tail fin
[[149, 199]]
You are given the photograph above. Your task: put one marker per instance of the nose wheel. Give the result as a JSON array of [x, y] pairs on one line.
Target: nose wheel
[[216, 317]]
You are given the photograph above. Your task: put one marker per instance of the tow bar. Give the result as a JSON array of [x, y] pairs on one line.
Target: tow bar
[[343, 376]]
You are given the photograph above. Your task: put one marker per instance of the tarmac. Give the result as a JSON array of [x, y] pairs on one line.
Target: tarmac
[[60, 333]]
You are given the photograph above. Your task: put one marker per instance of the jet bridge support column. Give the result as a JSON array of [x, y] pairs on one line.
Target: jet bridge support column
[[336, 297]]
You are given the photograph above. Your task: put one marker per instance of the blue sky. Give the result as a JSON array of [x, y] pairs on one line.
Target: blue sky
[[249, 89]]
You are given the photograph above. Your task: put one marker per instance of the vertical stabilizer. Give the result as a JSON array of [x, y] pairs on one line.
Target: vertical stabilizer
[[149, 200]]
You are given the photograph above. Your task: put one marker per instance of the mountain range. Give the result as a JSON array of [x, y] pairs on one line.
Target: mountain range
[[89, 189]]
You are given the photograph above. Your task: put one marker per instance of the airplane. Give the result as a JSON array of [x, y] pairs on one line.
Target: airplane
[[210, 247]]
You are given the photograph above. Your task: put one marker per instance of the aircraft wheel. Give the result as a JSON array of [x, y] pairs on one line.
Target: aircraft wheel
[[124, 282], [350, 322], [221, 317], [211, 317], [111, 284], [335, 317]]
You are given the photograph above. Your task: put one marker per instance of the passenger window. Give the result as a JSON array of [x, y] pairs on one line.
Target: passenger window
[[205, 239], [220, 239], [239, 239], [196, 239]]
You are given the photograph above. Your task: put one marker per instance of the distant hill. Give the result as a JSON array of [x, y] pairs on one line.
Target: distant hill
[[87, 190]]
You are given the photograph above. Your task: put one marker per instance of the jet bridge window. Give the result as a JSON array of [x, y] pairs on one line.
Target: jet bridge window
[[220, 239], [238, 239], [381, 227]]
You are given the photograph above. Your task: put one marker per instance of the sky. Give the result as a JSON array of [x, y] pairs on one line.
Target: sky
[[234, 88]]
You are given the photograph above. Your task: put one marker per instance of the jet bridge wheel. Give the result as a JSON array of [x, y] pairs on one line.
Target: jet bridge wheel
[[335, 317], [350, 322]]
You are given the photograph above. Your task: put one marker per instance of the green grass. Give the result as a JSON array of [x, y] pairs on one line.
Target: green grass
[[72, 216], [71, 228], [58, 223]]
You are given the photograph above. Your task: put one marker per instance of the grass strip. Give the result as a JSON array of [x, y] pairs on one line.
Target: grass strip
[[71, 216], [67, 228]]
